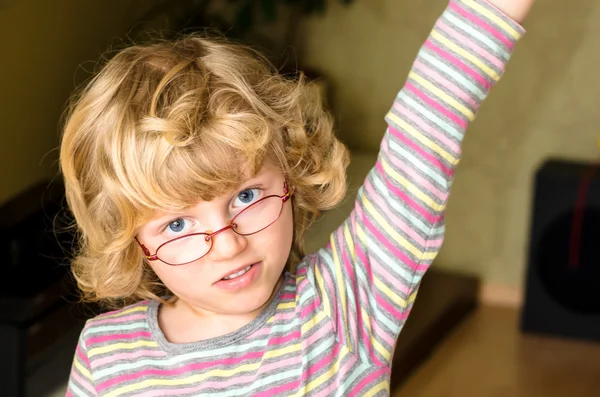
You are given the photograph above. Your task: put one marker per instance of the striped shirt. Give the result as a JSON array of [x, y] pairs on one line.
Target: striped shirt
[[333, 325]]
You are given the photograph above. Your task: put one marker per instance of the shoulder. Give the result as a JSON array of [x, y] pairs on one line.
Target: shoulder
[[116, 321]]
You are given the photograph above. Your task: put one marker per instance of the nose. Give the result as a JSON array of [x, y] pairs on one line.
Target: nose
[[227, 245]]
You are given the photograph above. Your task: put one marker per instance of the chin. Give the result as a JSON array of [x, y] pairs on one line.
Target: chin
[[251, 300]]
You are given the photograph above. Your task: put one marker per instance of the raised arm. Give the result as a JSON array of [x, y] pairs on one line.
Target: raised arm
[[368, 276], [515, 9]]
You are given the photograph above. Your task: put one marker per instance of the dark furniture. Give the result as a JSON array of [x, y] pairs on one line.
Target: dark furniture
[[563, 274], [37, 300]]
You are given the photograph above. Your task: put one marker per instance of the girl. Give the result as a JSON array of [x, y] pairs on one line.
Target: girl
[[193, 169]]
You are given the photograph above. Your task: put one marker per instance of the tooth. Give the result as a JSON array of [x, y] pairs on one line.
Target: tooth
[[234, 275]]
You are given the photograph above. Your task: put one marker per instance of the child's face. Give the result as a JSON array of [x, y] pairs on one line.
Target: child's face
[[200, 283]]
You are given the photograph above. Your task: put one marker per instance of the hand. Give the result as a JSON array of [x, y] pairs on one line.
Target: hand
[[516, 9]]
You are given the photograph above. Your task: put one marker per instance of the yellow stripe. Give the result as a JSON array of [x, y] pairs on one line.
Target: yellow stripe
[[337, 264], [465, 54], [411, 188], [331, 373], [392, 296], [377, 388], [443, 96], [378, 346], [422, 138], [324, 295], [286, 305], [82, 370], [413, 296], [349, 242], [226, 373], [387, 355], [123, 313], [117, 346], [494, 18], [313, 321], [390, 230], [378, 284]]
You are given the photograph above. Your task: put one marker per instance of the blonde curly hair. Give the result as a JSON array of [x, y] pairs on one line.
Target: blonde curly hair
[[165, 124]]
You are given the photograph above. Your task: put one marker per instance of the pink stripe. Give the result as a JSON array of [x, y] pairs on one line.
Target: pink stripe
[[127, 357], [413, 174], [311, 370], [395, 251], [311, 308], [376, 330], [385, 304], [358, 389], [398, 223], [409, 201], [179, 371], [360, 255], [321, 333], [288, 296], [283, 316], [85, 383], [132, 317], [301, 271], [284, 339], [471, 17], [83, 357], [436, 105], [328, 391], [367, 339], [328, 281], [427, 129], [353, 294], [465, 41], [443, 81], [458, 63], [380, 271], [435, 163], [119, 311], [364, 261], [230, 382], [68, 394], [261, 332], [107, 338]]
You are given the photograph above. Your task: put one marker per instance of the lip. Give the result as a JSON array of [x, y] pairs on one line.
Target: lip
[[241, 282], [235, 271]]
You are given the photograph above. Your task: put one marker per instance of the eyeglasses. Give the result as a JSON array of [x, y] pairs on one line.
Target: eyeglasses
[[253, 219]]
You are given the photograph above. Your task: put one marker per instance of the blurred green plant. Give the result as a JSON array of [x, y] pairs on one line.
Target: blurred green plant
[[238, 19]]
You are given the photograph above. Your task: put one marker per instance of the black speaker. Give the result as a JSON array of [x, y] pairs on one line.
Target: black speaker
[[562, 293]]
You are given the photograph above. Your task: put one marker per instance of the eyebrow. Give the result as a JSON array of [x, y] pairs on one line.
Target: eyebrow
[[157, 225]]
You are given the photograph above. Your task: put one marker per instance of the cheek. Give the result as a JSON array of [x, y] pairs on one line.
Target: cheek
[[177, 279], [277, 238]]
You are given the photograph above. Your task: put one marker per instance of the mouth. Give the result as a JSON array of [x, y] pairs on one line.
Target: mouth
[[239, 272]]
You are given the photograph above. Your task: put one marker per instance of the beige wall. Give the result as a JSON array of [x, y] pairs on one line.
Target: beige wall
[[546, 105], [42, 44]]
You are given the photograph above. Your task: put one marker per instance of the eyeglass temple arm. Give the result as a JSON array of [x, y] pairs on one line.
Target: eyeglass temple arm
[[147, 253]]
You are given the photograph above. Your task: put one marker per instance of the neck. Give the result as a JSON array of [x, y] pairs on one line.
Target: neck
[[182, 322]]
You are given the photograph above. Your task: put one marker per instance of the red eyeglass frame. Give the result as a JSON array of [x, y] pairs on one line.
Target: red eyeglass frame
[[208, 235]]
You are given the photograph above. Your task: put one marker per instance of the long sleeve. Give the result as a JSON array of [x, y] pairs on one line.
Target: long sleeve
[[80, 381], [367, 277]]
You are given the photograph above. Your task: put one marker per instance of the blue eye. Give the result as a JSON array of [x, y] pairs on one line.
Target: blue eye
[[177, 225], [246, 197]]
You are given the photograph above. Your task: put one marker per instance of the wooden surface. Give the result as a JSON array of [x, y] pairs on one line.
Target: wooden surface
[[445, 299], [486, 356]]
